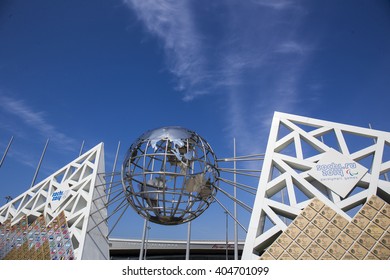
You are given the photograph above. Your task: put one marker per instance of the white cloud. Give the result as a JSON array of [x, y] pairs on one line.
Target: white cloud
[[292, 47], [275, 4], [36, 121], [172, 22]]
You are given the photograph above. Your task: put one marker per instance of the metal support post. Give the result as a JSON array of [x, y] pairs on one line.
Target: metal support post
[[141, 251], [227, 235], [39, 164], [188, 241], [113, 171], [6, 151], [235, 202], [82, 148]]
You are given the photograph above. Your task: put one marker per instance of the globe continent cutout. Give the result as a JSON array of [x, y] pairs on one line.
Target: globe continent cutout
[[170, 175]]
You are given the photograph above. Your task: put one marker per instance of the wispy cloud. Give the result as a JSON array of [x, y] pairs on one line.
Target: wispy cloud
[[272, 64], [252, 53], [292, 47], [172, 22], [36, 121], [275, 4]]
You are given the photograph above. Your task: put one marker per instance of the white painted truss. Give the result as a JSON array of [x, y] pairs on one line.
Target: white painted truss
[[77, 190], [295, 146]]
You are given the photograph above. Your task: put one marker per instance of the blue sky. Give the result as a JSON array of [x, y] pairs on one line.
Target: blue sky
[[109, 70]]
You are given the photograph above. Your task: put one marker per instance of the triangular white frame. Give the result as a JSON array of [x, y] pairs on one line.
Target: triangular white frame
[[84, 207], [259, 237]]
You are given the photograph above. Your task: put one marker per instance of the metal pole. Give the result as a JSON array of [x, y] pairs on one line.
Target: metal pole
[[189, 224], [141, 251], [227, 236], [188, 241], [146, 242], [6, 151], [230, 214], [235, 203], [39, 163], [113, 170], [82, 148]]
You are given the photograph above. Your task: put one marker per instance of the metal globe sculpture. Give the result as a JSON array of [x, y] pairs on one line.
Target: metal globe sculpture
[[170, 175]]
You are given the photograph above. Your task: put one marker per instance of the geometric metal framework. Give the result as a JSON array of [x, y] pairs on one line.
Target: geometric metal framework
[[296, 147], [169, 175], [76, 191]]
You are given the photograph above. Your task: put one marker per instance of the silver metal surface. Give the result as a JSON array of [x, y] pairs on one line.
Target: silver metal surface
[[82, 148], [39, 164], [113, 170], [188, 245], [170, 175], [235, 203], [6, 151], [141, 252]]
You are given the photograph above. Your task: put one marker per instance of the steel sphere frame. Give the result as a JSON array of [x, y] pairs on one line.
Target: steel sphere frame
[[169, 175]]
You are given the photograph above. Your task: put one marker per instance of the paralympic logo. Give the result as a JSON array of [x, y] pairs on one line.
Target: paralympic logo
[[351, 173]]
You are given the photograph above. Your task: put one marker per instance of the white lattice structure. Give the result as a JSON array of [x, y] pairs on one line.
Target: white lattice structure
[[77, 190], [296, 147]]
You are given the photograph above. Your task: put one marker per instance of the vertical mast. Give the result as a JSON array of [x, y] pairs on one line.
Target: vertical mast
[[6, 151], [235, 202], [39, 163]]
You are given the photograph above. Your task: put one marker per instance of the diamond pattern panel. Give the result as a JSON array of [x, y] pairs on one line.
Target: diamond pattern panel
[[319, 233]]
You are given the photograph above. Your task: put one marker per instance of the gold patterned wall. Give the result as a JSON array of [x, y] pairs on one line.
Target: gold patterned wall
[[319, 233], [36, 241]]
